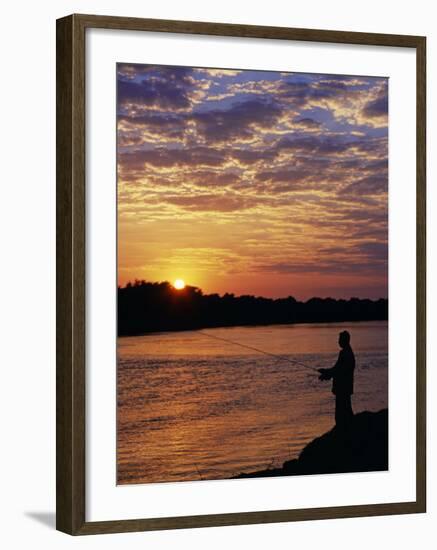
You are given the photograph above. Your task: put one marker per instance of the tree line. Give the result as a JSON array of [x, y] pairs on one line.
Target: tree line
[[145, 307]]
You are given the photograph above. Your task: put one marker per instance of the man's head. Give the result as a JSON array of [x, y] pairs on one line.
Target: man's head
[[344, 339]]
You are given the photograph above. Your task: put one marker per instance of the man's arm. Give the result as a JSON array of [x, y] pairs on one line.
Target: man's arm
[[327, 374]]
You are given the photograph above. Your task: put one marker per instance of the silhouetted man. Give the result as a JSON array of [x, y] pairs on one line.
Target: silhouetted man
[[342, 374]]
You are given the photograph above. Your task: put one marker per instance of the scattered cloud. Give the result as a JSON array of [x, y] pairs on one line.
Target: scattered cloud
[[282, 173]]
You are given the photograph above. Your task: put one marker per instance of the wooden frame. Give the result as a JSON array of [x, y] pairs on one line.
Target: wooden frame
[[70, 205]]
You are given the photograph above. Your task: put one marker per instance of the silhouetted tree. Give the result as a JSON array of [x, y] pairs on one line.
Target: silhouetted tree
[[152, 307]]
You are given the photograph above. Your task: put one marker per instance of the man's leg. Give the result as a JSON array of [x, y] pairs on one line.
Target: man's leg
[[348, 405], [343, 411], [348, 413], [339, 411]]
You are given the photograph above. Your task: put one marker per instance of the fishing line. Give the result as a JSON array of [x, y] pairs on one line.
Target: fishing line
[[283, 357]]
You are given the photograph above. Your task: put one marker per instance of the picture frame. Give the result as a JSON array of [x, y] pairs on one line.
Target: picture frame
[[71, 257]]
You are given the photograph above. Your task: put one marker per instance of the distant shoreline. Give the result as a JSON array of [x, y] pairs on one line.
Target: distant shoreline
[[145, 307], [252, 326]]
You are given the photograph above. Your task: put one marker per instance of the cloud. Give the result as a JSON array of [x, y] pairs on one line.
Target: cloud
[[320, 267], [167, 89], [218, 72], [213, 203], [328, 145], [165, 158], [374, 184], [377, 107], [238, 122], [374, 250], [283, 173], [307, 123]]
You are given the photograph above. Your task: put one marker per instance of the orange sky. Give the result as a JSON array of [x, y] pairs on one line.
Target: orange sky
[[252, 182]]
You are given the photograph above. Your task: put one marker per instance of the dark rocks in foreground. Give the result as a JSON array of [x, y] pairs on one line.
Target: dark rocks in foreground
[[365, 449]]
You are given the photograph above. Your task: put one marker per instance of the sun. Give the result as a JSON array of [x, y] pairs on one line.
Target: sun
[[179, 284]]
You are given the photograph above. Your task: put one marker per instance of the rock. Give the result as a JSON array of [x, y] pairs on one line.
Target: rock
[[363, 449]]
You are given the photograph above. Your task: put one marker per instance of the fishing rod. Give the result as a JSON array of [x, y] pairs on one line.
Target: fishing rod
[[276, 356]]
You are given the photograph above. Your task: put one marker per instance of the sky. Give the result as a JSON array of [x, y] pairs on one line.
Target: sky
[[252, 182]]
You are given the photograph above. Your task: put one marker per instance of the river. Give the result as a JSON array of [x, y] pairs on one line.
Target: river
[[191, 406]]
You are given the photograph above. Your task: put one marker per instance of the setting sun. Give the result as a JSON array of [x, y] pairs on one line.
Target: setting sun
[[179, 284]]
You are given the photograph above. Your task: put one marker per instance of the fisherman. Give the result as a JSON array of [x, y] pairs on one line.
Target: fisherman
[[342, 374]]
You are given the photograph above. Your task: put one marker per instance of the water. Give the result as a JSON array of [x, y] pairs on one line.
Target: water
[[191, 407]]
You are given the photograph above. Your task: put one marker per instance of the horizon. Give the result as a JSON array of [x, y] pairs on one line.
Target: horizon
[[139, 282], [253, 182]]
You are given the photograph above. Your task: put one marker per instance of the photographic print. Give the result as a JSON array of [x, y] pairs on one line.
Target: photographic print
[[252, 227]]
